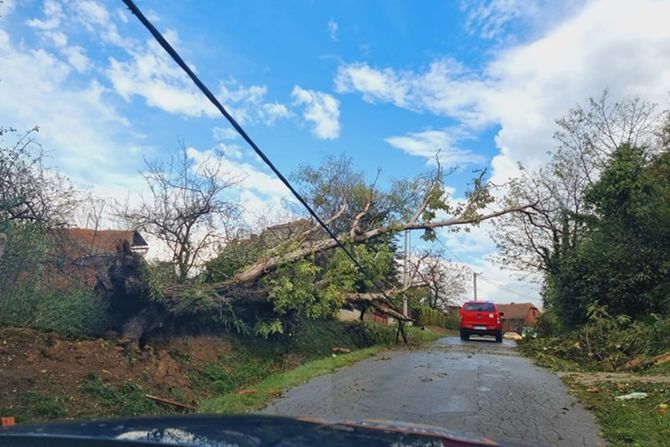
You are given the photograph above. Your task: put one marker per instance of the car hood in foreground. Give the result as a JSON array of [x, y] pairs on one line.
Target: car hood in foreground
[[234, 430]]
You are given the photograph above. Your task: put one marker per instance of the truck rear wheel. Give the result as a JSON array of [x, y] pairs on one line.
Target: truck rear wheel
[[464, 335], [499, 337]]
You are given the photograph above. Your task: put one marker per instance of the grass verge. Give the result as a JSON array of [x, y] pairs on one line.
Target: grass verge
[[623, 422], [255, 397], [630, 422], [89, 378]]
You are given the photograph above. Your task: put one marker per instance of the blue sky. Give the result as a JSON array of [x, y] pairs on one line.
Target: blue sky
[[386, 82]]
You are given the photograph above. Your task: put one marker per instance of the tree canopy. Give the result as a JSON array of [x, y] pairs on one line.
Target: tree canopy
[[597, 232]]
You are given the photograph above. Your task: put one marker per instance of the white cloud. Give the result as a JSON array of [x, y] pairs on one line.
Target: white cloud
[[93, 12], [53, 14], [274, 111], [95, 18], [51, 26], [6, 8], [618, 44], [123, 16], [321, 109], [624, 46], [258, 190], [76, 121], [501, 20], [151, 74], [77, 58], [58, 38], [88, 14], [428, 143], [224, 133], [148, 72], [488, 18], [332, 29], [230, 150], [375, 85], [444, 88]]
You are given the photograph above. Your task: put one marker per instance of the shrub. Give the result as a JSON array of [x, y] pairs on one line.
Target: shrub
[[367, 333], [427, 316], [606, 342], [549, 325], [452, 321], [73, 311]]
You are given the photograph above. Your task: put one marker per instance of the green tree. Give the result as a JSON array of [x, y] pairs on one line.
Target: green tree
[[305, 276], [623, 260]]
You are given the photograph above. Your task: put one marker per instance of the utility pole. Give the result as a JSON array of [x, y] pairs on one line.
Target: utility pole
[[405, 273], [474, 282]]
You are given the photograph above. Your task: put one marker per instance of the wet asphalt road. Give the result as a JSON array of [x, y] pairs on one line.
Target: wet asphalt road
[[476, 387]]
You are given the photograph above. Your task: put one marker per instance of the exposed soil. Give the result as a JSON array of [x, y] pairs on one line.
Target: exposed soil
[[43, 363], [44, 376]]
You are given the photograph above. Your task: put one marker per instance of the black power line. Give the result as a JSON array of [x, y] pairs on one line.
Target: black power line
[[454, 253], [489, 281], [203, 88]]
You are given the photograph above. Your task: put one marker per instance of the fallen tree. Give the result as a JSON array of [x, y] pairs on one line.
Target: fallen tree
[[303, 274]]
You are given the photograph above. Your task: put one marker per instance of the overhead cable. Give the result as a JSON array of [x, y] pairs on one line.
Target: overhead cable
[[203, 88]]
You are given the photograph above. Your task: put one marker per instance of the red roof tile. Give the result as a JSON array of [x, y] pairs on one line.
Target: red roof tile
[[515, 311], [75, 243]]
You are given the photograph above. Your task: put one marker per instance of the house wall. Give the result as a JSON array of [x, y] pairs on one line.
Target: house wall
[[379, 318], [533, 315], [348, 315]]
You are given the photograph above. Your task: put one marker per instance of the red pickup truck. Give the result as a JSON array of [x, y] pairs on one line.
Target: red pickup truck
[[480, 318]]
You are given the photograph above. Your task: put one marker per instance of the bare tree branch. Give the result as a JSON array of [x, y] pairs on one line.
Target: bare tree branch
[[185, 208]]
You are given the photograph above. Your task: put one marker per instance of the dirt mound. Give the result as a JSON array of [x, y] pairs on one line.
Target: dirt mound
[[42, 364]]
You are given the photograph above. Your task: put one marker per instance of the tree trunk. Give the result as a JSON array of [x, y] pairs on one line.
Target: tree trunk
[[253, 273]]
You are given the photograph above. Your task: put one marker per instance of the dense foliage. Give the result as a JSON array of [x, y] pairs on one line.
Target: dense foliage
[[604, 342], [622, 261], [427, 316], [598, 231]]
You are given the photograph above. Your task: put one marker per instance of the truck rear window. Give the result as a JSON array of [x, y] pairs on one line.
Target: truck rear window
[[480, 307]]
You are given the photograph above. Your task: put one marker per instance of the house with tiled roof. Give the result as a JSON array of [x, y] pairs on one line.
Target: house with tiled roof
[[84, 254], [76, 244], [518, 315]]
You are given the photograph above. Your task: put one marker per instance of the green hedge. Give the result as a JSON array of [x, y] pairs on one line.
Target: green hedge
[[427, 316], [452, 320]]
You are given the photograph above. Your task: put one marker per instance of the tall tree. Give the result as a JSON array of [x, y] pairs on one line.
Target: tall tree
[[30, 191], [442, 281], [367, 217], [34, 198], [532, 241], [185, 208], [622, 260]]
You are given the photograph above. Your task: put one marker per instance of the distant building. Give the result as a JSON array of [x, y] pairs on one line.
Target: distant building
[[81, 243], [84, 255], [518, 315]]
